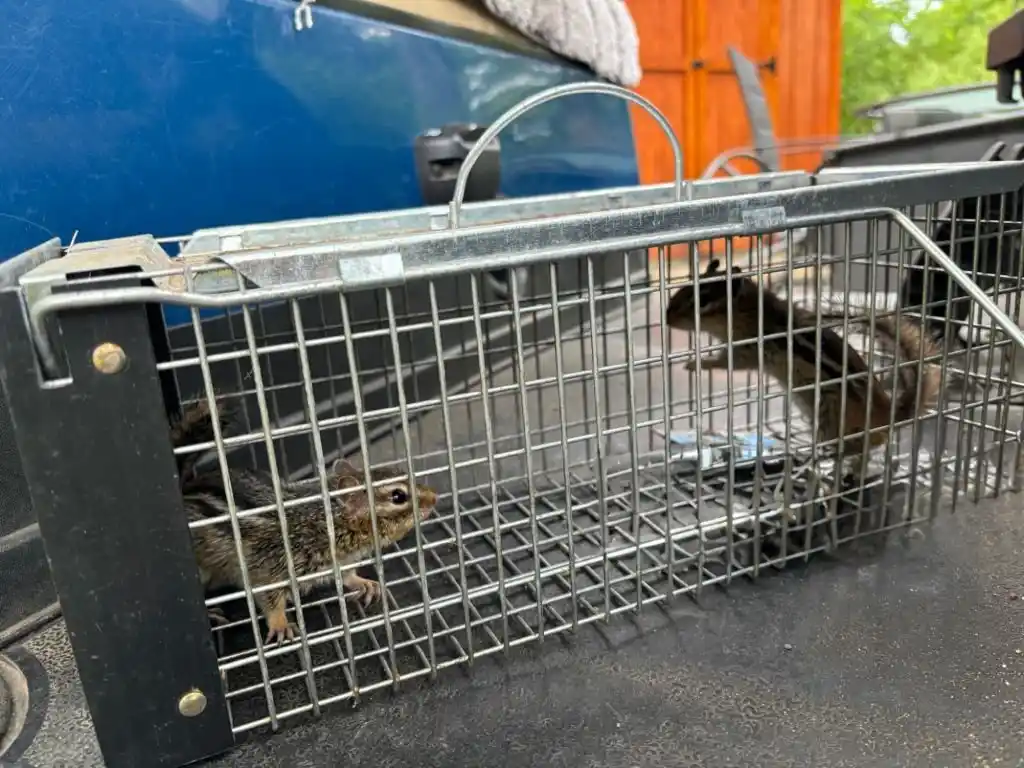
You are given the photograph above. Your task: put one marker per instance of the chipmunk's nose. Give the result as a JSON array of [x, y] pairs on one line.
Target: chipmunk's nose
[[428, 497]]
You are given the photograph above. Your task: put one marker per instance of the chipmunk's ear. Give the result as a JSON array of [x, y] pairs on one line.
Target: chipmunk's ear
[[713, 267], [735, 282], [345, 474], [345, 467]]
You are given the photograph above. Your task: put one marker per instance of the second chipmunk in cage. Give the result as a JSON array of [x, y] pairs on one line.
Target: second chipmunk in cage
[[262, 542], [757, 313]]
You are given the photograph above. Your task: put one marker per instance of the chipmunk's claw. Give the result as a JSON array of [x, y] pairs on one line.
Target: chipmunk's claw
[[279, 628], [364, 591], [373, 594], [278, 635]]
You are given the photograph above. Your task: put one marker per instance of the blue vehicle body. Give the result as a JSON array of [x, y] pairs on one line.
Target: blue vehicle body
[[162, 117], [165, 116]]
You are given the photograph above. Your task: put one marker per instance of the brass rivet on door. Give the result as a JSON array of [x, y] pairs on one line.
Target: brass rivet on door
[[192, 703], [109, 358]]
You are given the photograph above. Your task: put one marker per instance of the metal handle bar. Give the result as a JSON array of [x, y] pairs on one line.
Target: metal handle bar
[[53, 303], [524, 106], [750, 152]]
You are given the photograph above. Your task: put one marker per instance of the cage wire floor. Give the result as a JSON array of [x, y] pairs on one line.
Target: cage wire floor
[[732, 672]]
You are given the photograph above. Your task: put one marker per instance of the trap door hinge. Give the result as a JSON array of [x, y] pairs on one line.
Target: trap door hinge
[[141, 253]]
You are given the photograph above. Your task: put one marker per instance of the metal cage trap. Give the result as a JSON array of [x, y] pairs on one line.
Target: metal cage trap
[[584, 453]]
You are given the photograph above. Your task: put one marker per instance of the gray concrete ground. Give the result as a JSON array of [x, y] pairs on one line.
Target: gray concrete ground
[[910, 655]]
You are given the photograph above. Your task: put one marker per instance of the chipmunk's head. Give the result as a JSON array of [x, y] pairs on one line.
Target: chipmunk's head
[[392, 491], [710, 298]]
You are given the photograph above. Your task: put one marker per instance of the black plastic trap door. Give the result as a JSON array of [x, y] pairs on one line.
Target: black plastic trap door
[[102, 478]]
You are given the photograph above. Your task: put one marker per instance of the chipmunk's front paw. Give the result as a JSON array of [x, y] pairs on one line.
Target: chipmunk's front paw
[[365, 591], [279, 628]]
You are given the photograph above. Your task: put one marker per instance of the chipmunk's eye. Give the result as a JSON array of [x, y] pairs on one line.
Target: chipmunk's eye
[[399, 496]]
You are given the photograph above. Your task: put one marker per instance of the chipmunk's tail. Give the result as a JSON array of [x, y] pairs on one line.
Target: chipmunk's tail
[[195, 426], [909, 340]]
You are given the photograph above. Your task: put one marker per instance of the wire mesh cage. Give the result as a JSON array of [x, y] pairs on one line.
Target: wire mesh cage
[[566, 407]]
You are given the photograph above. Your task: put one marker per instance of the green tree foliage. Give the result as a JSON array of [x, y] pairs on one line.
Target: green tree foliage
[[891, 47]]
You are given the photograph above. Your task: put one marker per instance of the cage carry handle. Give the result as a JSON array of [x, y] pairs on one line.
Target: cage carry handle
[[550, 94]]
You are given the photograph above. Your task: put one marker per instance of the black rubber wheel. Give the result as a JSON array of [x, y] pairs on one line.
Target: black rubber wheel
[[6, 708], [24, 697]]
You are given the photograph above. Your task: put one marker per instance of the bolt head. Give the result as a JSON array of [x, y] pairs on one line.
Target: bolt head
[[109, 358], [192, 703]]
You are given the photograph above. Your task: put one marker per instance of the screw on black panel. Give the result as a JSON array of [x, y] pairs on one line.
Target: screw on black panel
[[109, 358]]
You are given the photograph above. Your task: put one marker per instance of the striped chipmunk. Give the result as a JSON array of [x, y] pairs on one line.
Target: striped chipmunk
[[263, 546], [754, 305]]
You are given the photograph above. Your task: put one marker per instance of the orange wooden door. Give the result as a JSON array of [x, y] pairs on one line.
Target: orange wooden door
[[666, 30], [750, 26], [687, 74], [808, 96]]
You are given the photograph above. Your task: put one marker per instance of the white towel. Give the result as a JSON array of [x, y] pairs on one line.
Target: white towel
[[598, 33]]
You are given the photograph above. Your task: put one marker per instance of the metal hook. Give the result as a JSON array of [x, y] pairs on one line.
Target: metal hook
[[304, 15]]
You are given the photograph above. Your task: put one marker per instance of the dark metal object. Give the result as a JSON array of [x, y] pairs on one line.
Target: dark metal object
[[960, 141], [33, 623], [440, 153], [962, 230], [1005, 55], [954, 142], [115, 533], [935, 107], [948, 93], [26, 594], [758, 114]]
